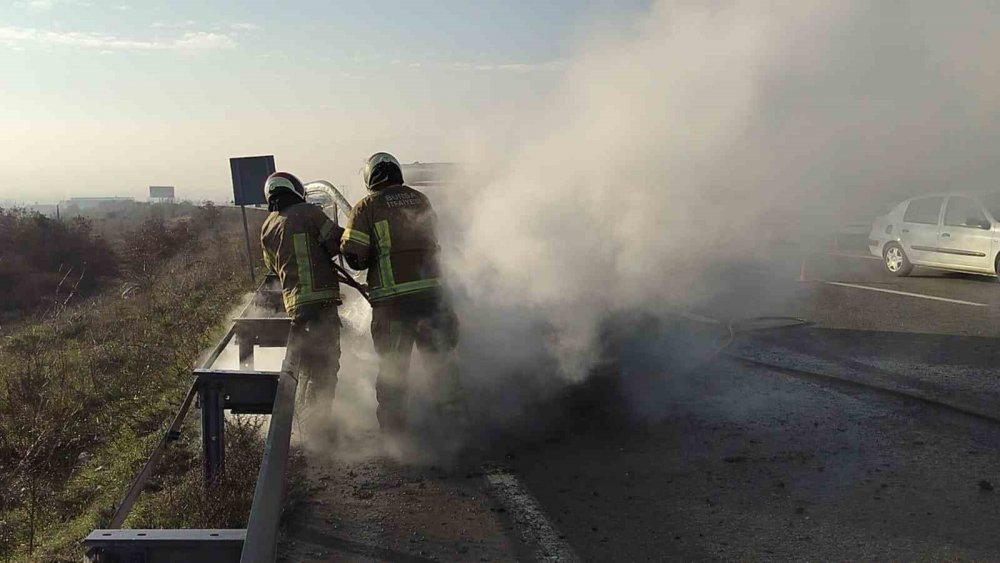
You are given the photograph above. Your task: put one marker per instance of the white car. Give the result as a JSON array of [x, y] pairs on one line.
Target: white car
[[956, 232]]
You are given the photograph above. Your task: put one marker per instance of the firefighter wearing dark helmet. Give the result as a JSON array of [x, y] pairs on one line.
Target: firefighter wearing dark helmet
[[391, 232], [299, 243]]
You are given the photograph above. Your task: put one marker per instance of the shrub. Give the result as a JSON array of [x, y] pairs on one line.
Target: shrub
[[85, 394], [43, 262]]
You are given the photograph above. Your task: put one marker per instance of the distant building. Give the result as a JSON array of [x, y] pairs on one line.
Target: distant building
[[87, 203], [47, 209]]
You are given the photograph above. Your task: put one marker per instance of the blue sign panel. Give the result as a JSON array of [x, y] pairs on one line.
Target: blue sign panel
[[249, 175]]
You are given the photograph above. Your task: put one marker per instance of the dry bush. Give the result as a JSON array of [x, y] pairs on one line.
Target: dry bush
[[178, 496], [43, 261], [143, 253], [85, 395]]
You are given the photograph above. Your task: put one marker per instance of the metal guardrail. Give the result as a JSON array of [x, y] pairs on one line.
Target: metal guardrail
[[265, 514], [240, 391], [243, 390], [172, 433]]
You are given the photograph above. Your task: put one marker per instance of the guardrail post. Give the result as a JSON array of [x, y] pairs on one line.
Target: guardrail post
[[213, 431]]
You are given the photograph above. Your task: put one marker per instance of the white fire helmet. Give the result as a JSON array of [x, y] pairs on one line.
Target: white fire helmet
[[283, 181], [373, 161]]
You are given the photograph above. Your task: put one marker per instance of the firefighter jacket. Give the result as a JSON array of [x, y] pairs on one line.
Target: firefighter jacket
[[392, 233], [299, 243]]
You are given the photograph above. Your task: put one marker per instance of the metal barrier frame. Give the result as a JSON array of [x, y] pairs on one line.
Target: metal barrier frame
[[265, 514], [246, 391]]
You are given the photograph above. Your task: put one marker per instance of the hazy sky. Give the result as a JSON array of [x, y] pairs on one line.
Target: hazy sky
[[107, 98]]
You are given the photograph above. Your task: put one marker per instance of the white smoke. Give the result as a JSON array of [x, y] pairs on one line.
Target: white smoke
[[693, 136]]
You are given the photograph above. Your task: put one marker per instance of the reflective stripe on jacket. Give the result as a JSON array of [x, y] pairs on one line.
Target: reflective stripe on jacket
[[299, 244], [392, 233]]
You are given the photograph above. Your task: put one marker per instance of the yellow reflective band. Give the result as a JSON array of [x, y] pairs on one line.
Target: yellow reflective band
[[293, 301], [384, 255], [306, 293], [356, 236], [301, 243], [268, 261], [388, 286], [404, 289], [324, 231]]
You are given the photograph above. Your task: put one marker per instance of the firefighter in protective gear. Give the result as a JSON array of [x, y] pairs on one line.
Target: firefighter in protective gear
[[299, 243], [391, 232]]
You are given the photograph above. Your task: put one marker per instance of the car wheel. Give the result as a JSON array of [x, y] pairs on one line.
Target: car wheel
[[895, 261]]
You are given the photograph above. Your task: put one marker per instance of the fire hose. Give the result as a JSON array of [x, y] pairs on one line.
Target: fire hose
[[345, 278], [749, 324]]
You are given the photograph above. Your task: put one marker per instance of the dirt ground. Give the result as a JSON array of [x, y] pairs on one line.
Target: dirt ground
[[375, 508]]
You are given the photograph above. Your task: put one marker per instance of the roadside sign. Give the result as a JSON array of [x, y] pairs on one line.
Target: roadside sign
[[249, 175], [161, 192]]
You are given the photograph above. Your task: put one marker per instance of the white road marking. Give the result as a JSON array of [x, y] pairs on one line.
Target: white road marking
[[853, 255], [908, 294], [533, 526]]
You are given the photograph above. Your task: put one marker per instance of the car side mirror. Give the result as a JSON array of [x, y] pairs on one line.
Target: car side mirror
[[979, 223]]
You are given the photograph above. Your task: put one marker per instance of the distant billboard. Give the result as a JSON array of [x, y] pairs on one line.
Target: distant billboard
[[249, 175], [161, 192]]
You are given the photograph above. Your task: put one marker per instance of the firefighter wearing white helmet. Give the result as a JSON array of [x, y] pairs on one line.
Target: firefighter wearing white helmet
[[392, 234], [299, 243], [377, 176], [283, 183]]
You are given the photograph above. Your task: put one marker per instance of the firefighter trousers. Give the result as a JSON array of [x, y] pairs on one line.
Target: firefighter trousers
[[314, 346], [396, 328]]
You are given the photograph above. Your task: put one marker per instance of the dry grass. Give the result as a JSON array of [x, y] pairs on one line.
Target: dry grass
[[86, 392]]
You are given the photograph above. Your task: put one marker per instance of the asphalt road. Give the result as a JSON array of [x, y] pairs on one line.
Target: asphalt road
[[853, 291], [675, 452], [735, 462]]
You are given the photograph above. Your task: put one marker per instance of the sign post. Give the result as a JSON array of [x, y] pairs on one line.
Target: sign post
[[246, 234], [249, 174]]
